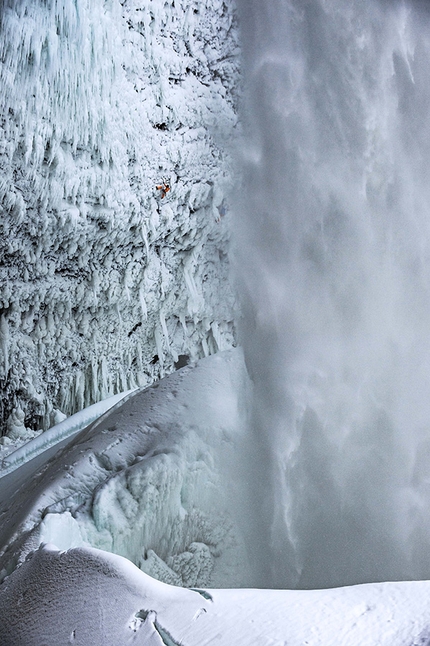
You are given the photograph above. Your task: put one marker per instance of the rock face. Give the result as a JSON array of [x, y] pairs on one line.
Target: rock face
[[107, 281]]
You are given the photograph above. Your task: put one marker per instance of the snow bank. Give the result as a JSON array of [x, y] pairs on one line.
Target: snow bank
[[161, 480], [89, 597]]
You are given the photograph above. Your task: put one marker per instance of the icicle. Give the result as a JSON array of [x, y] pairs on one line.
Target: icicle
[[4, 342], [205, 347], [164, 328], [144, 234], [183, 322], [159, 345], [127, 281], [79, 395], [194, 297], [95, 283], [103, 378], [217, 336], [94, 382], [142, 301]]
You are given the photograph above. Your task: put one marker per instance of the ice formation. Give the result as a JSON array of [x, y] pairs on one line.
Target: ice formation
[[104, 283], [161, 480]]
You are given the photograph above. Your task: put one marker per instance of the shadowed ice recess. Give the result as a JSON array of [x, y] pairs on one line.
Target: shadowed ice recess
[[333, 257]]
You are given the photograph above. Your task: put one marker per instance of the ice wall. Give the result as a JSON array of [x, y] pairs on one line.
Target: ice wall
[[104, 284], [333, 248]]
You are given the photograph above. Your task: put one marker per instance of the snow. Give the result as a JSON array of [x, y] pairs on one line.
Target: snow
[[163, 480], [13, 457], [160, 479], [85, 596]]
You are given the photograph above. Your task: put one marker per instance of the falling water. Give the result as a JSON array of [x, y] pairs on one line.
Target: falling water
[[333, 259]]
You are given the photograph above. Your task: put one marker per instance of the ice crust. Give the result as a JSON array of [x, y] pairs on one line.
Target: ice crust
[[88, 597], [160, 480], [105, 284]]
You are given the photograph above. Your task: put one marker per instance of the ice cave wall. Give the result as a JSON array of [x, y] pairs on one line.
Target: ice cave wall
[[104, 283]]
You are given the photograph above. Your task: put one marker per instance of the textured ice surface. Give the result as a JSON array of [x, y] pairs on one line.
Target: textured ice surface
[[87, 597], [104, 283], [161, 480]]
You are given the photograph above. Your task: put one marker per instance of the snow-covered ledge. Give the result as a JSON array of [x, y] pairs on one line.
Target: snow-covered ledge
[[65, 429], [89, 597], [162, 479]]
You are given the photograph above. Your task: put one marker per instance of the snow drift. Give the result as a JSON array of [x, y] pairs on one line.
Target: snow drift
[[164, 480], [161, 480], [85, 596]]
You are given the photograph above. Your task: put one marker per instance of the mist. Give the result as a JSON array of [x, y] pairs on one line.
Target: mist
[[332, 260]]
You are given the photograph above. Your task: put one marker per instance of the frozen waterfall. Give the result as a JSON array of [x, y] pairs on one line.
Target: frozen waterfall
[[333, 258]]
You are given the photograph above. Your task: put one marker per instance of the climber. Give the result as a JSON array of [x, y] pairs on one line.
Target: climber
[[164, 187]]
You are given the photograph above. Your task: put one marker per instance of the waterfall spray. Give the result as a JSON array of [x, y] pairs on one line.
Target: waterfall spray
[[333, 259]]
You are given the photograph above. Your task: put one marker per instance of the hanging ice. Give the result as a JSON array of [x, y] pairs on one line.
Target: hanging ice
[[98, 101]]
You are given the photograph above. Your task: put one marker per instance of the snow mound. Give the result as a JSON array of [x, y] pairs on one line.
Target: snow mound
[[160, 480], [87, 597]]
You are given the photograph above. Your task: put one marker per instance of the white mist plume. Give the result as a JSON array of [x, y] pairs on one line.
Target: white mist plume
[[333, 249]]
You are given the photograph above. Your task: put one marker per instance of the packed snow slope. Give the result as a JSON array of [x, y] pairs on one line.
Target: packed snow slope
[[87, 597], [162, 480], [105, 284]]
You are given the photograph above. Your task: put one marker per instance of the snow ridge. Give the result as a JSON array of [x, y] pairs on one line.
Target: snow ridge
[[92, 597], [65, 429]]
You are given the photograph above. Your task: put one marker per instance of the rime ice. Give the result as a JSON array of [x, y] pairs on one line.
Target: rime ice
[[99, 101]]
